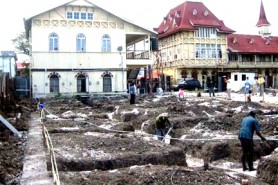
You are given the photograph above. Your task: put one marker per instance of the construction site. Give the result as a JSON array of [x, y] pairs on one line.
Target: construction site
[[106, 140]]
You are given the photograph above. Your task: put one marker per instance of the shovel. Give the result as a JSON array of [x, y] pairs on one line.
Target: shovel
[[168, 136]]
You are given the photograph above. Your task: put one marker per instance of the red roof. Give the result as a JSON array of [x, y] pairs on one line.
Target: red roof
[[189, 16], [238, 43], [262, 19]]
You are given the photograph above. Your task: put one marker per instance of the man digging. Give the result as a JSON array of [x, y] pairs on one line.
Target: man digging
[[249, 125], [160, 123]]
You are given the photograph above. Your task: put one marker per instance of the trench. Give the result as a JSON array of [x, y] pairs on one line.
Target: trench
[[99, 147]]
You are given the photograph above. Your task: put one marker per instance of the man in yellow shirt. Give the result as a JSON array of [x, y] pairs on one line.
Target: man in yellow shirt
[[161, 122], [261, 84]]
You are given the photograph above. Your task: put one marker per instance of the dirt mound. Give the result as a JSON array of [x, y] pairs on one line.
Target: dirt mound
[[267, 169], [154, 174]]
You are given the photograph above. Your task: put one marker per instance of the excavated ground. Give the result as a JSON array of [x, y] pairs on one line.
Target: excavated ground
[[12, 148], [108, 141]]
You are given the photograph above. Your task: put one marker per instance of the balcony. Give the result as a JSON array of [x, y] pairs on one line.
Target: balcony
[[138, 50], [138, 58], [252, 64], [138, 54]]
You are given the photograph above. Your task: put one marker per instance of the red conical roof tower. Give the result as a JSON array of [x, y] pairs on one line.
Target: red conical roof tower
[[262, 19], [263, 24]]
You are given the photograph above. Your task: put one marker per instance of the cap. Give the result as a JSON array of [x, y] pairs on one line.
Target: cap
[[165, 114]]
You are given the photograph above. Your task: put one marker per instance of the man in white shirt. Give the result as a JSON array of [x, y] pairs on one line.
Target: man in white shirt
[[229, 87]]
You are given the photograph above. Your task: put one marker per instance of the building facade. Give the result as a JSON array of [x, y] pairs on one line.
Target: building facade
[[193, 42], [255, 53], [80, 48]]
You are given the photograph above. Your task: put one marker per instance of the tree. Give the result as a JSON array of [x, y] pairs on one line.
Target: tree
[[22, 44]]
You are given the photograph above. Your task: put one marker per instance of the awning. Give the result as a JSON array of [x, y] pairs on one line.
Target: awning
[[132, 74], [20, 65]]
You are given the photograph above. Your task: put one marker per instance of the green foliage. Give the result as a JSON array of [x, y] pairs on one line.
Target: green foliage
[[22, 44], [58, 95], [26, 71]]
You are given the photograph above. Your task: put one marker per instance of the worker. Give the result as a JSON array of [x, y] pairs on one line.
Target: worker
[[161, 122], [227, 80], [261, 84], [249, 125], [210, 85], [132, 93], [246, 89]]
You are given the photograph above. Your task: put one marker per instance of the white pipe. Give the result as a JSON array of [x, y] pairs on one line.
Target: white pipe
[[5, 122]]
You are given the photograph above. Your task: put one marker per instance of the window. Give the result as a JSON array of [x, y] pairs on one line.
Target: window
[[80, 15], [206, 32], [107, 84], [53, 42], [208, 51], [243, 77], [106, 43], [69, 15], [275, 58], [235, 78], [76, 15], [233, 57], [81, 42], [90, 16], [163, 56], [219, 51], [197, 50], [54, 84], [83, 16], [203, 51]]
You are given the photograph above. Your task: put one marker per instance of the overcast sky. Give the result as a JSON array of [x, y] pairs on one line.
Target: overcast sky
[[239, 15]]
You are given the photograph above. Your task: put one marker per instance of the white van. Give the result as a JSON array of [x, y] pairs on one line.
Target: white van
[[238, 80]]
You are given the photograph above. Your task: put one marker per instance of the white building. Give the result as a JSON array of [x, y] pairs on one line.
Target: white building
[[8, 62], [80, 48]]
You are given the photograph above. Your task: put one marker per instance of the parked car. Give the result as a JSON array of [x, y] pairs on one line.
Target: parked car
[[187, 84]]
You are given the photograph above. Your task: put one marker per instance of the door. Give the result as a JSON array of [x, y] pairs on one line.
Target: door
[[54, 84], [107, 86], [81, 84]]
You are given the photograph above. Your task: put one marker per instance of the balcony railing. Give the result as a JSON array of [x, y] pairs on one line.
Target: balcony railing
[[138, 54], [251, 64]]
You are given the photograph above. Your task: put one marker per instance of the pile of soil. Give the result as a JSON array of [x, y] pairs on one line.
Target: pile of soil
[[154, 174], [12, 147], [267, 168]]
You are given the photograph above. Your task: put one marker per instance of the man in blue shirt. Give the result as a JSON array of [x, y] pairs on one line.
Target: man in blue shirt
[[249, 125], [132, 92]]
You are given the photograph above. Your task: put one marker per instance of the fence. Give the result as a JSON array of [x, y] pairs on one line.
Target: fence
[[50, 150], [6, 91]]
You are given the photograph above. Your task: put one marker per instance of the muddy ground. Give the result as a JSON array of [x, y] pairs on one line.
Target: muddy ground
[[105, 140], [12, 147]]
